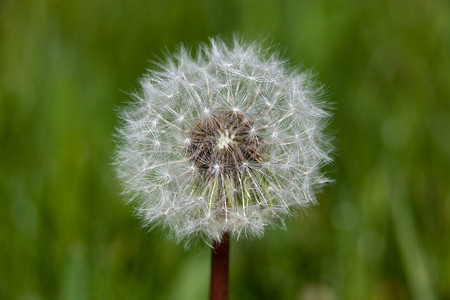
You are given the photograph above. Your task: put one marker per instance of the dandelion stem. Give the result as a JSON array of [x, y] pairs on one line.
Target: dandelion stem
[[218, 289]]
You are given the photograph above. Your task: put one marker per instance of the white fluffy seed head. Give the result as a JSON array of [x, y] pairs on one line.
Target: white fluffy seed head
[[228, 141]]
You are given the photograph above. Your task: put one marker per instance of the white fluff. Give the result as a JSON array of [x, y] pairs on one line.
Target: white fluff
[[167, 188]]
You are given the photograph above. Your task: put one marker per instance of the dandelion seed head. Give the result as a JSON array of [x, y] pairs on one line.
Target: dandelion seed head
[[229, 141]]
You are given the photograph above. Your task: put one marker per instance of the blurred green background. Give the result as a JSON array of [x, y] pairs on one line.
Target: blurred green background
[[382, 231]]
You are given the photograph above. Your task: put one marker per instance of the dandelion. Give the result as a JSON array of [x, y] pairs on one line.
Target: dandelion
[[223, 143]]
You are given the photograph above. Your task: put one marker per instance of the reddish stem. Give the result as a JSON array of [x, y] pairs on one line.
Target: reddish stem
[[218, 289]]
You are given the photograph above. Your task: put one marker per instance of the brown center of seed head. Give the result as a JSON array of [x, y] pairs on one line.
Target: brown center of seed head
[[223, 144]]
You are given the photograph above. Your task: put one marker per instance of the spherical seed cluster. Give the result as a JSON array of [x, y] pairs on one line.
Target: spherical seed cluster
[[228, 141]]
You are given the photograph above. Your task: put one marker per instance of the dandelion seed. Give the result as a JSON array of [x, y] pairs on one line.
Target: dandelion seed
[[222, 139]]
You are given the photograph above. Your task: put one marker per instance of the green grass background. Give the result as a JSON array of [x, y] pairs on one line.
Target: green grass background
[[382, 231]]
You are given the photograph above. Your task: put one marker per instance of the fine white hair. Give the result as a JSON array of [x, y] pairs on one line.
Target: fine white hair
[[283, 112]]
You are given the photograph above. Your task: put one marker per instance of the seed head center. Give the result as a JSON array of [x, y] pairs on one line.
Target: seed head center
[[222, 144], [225, 140]]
